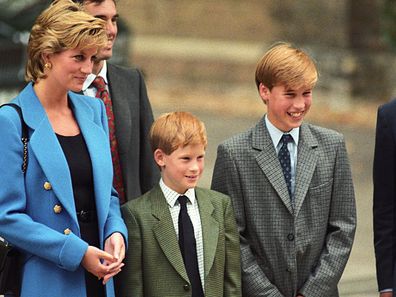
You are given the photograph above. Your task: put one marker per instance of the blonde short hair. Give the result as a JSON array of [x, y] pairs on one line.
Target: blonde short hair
[[284, 64], [177, 129], [63, 25]]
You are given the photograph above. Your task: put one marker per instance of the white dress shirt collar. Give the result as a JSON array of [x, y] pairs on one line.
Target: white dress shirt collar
[[91, 77], [171, 196], [277, 134]]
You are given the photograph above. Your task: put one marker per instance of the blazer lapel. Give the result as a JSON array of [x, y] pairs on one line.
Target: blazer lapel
[[165, 234], [306, 164], [47, 150], [268, 161], [210, 229], [120, 94], [98, 147]]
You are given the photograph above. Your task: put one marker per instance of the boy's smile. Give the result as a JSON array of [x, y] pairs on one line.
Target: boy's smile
[[181, 169], [286, 107]]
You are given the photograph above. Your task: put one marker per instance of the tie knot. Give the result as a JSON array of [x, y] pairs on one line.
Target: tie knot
[[99, 83], [286, 138], [183, 200]]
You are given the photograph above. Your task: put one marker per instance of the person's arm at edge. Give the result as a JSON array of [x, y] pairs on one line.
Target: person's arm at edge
[[383, 200]]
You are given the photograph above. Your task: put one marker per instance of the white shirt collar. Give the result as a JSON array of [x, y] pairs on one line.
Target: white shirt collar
[[171, 196], [276, 134], [91, 77]]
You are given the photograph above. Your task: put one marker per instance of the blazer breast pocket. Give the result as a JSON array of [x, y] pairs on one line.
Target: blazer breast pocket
[[318, 199], [321, 187]]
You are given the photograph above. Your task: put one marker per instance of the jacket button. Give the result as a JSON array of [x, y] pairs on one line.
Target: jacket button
[[67, 231], [186, 287], [47, 186], [290, 237], [57, 209]]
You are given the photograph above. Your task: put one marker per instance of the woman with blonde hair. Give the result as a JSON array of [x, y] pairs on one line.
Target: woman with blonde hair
[[62, 213]]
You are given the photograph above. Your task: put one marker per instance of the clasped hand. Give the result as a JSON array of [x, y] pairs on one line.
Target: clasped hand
[[105, 264]]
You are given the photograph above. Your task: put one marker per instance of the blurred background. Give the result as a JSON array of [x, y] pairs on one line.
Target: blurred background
[[200, 56]]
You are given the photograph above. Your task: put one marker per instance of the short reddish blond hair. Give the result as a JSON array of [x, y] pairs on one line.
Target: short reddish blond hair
[[177, 129]]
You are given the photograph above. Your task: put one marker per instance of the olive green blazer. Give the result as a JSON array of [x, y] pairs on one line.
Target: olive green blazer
[[154, 265]]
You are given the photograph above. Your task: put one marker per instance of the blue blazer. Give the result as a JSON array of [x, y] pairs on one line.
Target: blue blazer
[[29, 206]]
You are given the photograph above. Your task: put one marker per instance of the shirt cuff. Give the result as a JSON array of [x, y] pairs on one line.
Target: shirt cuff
[[386, 290]]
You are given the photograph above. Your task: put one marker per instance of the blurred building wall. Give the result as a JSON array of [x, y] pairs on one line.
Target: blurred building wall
[[219, 42]]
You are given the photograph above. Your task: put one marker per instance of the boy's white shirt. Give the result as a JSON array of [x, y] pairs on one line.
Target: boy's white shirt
[[171, 197]]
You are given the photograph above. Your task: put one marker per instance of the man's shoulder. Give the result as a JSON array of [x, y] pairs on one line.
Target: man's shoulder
[[122, 70], [124, 80], [388, 108]]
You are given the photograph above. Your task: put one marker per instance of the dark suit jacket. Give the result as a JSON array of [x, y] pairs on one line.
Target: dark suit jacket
[[133, 119], [154, 265], [288, 250], [384, 176]]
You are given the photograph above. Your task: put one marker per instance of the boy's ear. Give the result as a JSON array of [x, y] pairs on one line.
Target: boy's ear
[[159, 157], [264, 92]]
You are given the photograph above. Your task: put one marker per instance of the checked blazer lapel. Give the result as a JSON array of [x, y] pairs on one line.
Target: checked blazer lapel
[[306, 164], [268, 161], [210, 229], [165, 233]]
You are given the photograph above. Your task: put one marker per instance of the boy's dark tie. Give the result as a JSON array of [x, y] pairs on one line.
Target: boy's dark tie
[[284, 159], [103, 94], [188, 248]]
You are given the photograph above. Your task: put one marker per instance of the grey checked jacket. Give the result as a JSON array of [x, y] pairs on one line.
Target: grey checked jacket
[[288, 250]]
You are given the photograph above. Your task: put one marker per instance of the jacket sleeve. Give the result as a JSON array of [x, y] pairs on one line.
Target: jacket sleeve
[[149, 172], [232, 269], [226, 180], [16, 226], [129, 282], [340, 230], [384, 199]]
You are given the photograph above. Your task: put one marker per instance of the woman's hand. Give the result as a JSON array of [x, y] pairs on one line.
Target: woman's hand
[[115, 246], [92, 261]]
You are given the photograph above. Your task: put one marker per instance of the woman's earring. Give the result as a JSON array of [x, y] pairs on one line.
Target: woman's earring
[[48, 65]]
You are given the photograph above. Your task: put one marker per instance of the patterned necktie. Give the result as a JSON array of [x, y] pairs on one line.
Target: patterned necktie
[[188, 248], [284, 159], [103, 94]]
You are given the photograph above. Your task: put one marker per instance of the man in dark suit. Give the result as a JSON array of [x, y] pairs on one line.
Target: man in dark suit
[[291, 187], [384, 177], [127, 103]]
